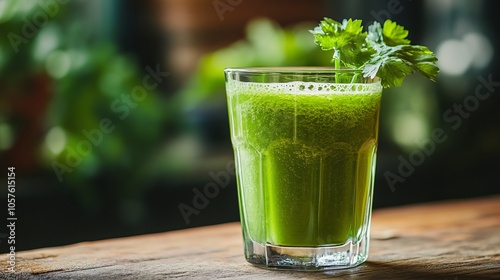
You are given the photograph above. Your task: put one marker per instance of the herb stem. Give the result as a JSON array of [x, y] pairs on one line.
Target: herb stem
[[336, 59], [354, 78]]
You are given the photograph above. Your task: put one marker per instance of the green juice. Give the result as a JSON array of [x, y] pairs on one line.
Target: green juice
[[305, 154]]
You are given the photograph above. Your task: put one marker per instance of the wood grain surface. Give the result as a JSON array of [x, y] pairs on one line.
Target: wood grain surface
[[450, 240]]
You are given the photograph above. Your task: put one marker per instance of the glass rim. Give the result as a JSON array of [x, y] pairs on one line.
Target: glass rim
[[291, 70]]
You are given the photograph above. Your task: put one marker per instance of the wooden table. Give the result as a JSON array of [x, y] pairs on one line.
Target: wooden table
[[451, 240]]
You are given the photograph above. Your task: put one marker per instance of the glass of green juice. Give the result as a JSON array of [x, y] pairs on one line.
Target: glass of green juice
[[305, 142]]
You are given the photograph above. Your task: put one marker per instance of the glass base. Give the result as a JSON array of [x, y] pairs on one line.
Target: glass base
[[342, 256]]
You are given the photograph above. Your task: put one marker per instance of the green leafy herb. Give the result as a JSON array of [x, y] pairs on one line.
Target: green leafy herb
[[382, 51], [346, 39]]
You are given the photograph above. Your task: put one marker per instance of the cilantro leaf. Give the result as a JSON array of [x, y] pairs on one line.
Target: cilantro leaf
[[375, 36], [382, 51], [395, 58], [346, 39], [326, 34], [394, 34], [393, 64]]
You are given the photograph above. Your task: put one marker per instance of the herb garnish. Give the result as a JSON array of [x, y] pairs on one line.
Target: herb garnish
[[382, 51]]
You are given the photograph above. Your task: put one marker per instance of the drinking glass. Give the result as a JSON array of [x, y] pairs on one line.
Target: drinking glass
[[305, 142]]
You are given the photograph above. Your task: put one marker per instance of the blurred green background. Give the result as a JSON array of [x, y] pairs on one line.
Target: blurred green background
[[113, 112]]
